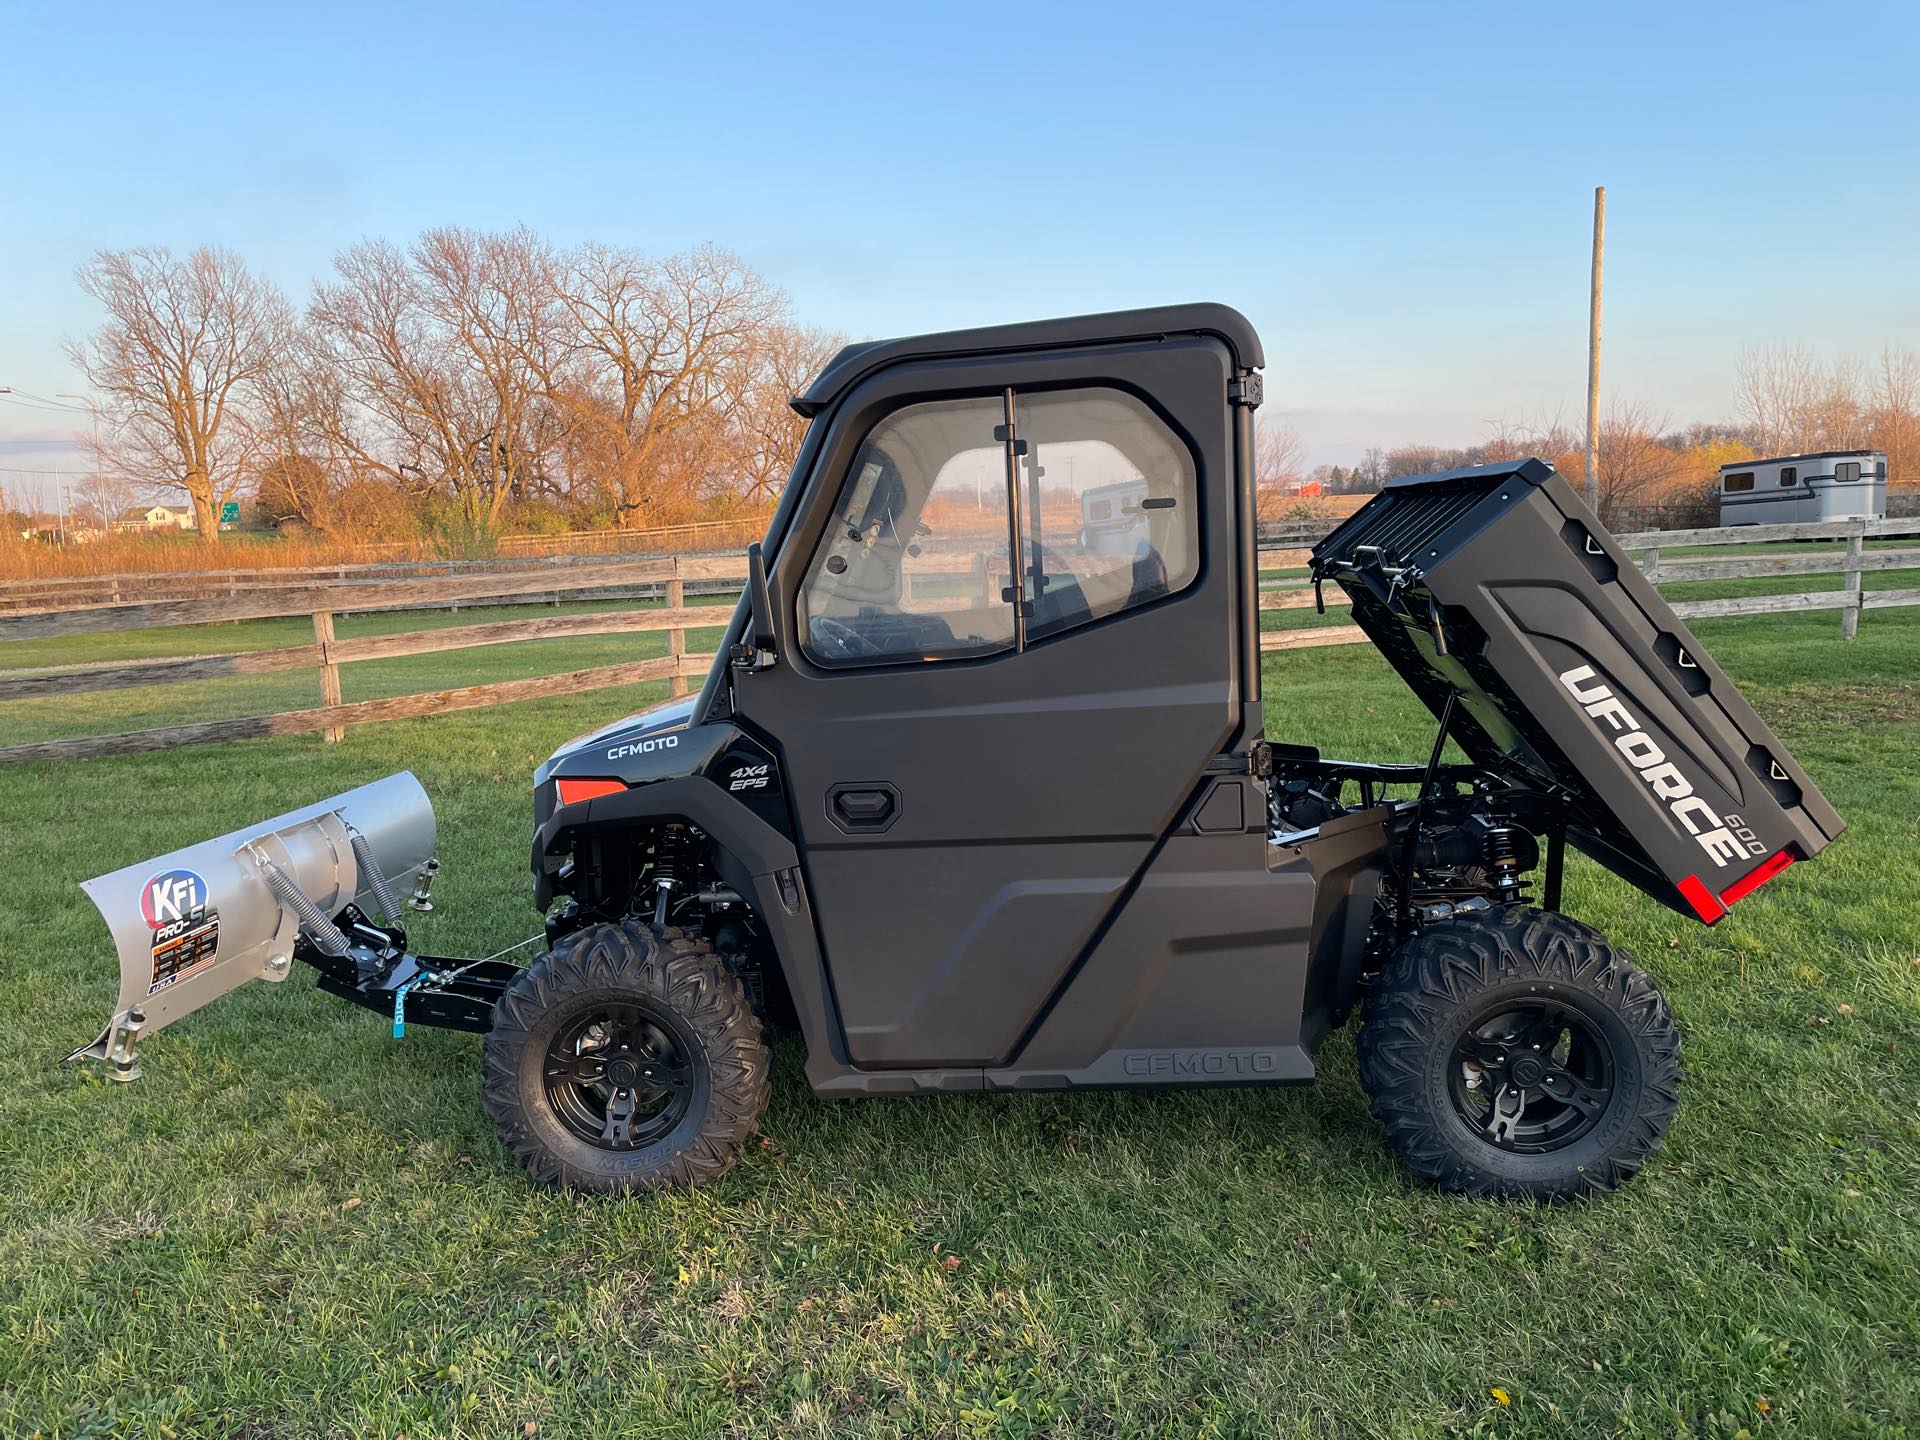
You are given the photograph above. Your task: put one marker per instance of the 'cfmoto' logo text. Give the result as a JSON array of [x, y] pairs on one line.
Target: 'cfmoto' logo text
[[643, 747]]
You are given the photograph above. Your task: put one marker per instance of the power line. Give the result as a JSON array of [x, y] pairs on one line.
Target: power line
[[28, 405], [52, 400]]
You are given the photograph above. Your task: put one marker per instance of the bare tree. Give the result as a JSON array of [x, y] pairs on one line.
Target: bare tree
[[768, 430], [104, 495], [654, 360], [1894, 418], [1371, 473], [184, 346], [1548, 438], [1795, 404], [432, 352], [1636, 465], [1277, 453]]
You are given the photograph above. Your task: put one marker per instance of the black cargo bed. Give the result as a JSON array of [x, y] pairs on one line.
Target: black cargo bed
[[1573, 676]]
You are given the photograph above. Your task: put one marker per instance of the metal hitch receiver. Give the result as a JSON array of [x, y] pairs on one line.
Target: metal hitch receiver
[[195, 924]]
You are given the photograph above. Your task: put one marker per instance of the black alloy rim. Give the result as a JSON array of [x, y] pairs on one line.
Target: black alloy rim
[[620, 1077], [1531, 1076]]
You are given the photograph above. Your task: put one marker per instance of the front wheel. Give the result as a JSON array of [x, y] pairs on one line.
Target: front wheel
[[626, 1059], [1519, 1054]]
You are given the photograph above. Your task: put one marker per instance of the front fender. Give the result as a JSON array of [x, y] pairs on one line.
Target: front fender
[[750, 855], [750, 843]]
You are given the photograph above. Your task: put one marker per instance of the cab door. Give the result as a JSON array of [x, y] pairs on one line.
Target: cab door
[[1007, 611]]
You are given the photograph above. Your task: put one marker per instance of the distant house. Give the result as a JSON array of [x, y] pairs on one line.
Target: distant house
[[155, 517], [71, 530], [40, 527]]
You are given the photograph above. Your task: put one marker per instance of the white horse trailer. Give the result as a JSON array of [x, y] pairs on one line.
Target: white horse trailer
[[1793, 489]]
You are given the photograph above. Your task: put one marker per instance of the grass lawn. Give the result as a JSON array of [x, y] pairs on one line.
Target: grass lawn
[[296, 1226]]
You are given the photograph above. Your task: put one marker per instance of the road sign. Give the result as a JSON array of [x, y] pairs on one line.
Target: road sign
[[230, 512]]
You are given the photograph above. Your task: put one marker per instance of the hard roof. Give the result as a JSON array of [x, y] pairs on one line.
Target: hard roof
[[858, 361], [1789, 459]]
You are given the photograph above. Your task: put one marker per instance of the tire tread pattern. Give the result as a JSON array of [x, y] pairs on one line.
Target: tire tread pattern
[[1442, 970], [675, 969]]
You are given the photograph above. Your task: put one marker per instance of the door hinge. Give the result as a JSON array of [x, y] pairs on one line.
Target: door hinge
[[1256, 760], [1248, 390]]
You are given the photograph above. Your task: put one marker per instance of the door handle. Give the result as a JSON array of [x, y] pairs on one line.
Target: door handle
[[863, 807]]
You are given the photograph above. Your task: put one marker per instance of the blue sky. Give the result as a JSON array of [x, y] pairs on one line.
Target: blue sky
[[1398, 195]]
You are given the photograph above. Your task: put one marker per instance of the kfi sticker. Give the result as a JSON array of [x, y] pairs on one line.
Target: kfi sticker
[[176, 905], [172, 896]]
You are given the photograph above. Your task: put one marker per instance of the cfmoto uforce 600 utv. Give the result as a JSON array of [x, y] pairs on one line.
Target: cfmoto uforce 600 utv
[[982, 793]]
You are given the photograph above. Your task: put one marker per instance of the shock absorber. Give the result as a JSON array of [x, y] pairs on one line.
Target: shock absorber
[[1503, 852], [673, 867]]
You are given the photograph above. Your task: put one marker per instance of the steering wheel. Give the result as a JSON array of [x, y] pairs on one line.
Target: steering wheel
[[851, 644]]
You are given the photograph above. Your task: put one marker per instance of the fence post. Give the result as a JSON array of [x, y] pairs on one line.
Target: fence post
[[676, 637], [1850, 615], [329, 672], [1650, 560]]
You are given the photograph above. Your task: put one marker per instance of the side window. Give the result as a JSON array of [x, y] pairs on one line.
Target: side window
[[1109, 507], [1736, 483], [904, 570], [914, 564], [1849, 470], [1789, 477]]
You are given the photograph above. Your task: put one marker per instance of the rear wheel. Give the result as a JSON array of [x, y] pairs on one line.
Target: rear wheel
[[626, 1059], [1519, 1054]]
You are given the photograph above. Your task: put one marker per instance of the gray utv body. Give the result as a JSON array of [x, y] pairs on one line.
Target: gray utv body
[[1091, 857]]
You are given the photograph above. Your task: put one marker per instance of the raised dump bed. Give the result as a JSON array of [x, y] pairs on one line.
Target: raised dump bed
[[1572, 675]]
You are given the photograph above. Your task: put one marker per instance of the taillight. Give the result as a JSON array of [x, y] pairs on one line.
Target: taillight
[[1705, 904], [1710, 907], [1754, 879], [572, 792]]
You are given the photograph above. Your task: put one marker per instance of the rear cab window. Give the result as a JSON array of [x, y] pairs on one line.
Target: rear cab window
[[1109, 507]]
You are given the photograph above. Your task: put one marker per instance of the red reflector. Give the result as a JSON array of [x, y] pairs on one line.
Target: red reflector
[[572, 792], [1752, 881], [1701, 899]]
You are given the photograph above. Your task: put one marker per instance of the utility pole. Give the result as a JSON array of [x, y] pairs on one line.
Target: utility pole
[[99, 491], [1593, 349]]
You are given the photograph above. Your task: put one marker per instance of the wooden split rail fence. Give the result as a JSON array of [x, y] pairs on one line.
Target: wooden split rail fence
[[1647, 547], [668, 581]]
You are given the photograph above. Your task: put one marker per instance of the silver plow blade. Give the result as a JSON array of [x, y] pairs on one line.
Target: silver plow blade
[[194, 924]]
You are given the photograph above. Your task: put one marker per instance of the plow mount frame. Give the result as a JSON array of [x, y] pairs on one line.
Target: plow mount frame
[[380, 974]]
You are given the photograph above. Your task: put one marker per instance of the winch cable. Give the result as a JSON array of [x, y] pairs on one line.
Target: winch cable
[[438, 979]]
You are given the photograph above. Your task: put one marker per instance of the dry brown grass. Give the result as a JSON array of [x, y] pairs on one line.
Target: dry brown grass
[[137, 554], [176, 553]]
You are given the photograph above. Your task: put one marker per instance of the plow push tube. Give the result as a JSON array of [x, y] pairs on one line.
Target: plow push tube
[[195, 924]]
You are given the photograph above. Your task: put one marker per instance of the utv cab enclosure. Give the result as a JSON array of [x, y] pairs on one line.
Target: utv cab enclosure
[[982, 793]]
